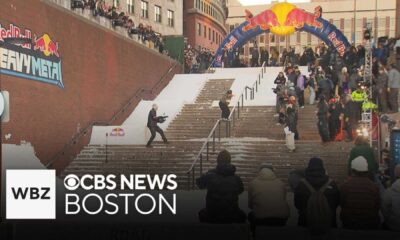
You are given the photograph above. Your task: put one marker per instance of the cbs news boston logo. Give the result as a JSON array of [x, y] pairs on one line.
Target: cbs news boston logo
[[30, 194]]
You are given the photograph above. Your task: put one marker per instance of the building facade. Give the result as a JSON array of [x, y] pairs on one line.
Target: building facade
[[350, 16], [204, 23], [164, 16]]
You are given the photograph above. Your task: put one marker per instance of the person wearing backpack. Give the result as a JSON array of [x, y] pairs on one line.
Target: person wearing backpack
[[360, 198], [391, 203], [316, 198]]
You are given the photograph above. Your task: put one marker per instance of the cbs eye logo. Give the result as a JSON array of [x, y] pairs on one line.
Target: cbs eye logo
[[71, 182]]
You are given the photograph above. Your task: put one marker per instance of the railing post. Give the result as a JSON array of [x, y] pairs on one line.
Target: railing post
[[226, 130], [238, 109], [229, 129], [245, 92], [242, 100], [256, 86], [262, 73], [207, 150], [193, 173], [201, 164], [214, 141], [219, 131], [259, 77]]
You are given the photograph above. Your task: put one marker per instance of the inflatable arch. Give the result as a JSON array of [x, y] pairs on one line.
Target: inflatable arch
[[282, 19]]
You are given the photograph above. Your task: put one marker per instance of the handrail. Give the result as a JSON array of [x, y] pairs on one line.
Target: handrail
[[138, 94], [205, 146]]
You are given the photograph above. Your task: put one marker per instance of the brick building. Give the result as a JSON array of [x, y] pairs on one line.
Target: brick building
[[204, 23]]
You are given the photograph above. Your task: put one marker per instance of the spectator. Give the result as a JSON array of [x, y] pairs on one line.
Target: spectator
[[267, 200], [264, 57], [316, 197], [322, 114], [359, 198], [223, 190], [343, 85], [350, 117], [333, 118], [391, 204], [291, 124], [300, 87], [363, 149], [393, 88], [381, 84]]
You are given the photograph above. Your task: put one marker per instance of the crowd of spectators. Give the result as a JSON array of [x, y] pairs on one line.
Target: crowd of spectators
[[337, 86], [197, 60], [145, 34], [317, 197]]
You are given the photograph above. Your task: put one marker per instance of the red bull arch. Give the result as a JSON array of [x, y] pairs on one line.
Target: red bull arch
[[283, 19]]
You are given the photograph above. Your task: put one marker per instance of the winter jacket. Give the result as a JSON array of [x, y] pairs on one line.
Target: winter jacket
[[360, 203], [302, 194], [394, 78], [368, 153], [382, 81], [391, 206], [152, 118], [300, 82], [223, 190], [267, 196], [291, 120]]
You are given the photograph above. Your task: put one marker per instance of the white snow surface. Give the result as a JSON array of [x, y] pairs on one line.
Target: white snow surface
[[184, 89]]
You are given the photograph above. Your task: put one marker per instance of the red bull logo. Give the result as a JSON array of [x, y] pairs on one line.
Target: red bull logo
[[117, 132], [46, 45], [283, 19]]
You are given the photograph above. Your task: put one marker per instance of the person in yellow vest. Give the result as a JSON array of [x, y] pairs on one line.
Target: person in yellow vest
[[369, 106], [359, 96]]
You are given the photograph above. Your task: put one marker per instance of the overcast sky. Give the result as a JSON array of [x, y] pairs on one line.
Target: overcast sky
[[260, 2]]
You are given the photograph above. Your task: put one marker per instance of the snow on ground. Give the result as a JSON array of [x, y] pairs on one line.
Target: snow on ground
[[183, 89]]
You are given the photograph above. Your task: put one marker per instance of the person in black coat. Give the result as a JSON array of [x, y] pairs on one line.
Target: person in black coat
[[152, 121], [223, 190], [322, 115], [316, 176]]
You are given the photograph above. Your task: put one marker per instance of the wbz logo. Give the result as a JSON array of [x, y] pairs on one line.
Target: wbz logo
[[31, 194]]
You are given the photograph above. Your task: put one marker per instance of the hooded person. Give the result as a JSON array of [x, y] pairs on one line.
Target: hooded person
[[223, 190], [317, 179], [360, 198], [391, 203], [267, 199]]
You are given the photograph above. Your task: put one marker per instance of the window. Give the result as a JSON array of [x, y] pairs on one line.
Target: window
[[130, 6], [145, 9], [171, 17], [205, 31], [213, 36], [199, 29], [157, 13], [209, 33], [116, 3]]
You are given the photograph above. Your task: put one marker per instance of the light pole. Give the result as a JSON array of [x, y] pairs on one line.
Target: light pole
[[354, 22]]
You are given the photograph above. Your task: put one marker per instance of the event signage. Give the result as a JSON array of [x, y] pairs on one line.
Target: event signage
[[26, 55]]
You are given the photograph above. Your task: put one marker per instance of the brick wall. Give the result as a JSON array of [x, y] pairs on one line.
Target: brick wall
[[101, 71]]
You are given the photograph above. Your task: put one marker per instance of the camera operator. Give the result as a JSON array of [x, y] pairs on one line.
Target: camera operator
[[280, 84], [152, 121]]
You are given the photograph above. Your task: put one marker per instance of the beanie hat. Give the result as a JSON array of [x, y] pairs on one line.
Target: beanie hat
[[315, 168], [397, 171], [224, 157], [315, 163], [359, 164]]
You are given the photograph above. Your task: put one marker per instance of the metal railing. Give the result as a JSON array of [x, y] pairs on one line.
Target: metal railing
[[205, 150], [137, 97]]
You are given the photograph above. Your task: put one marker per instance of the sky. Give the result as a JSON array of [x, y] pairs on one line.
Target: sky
[[260, 2]]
